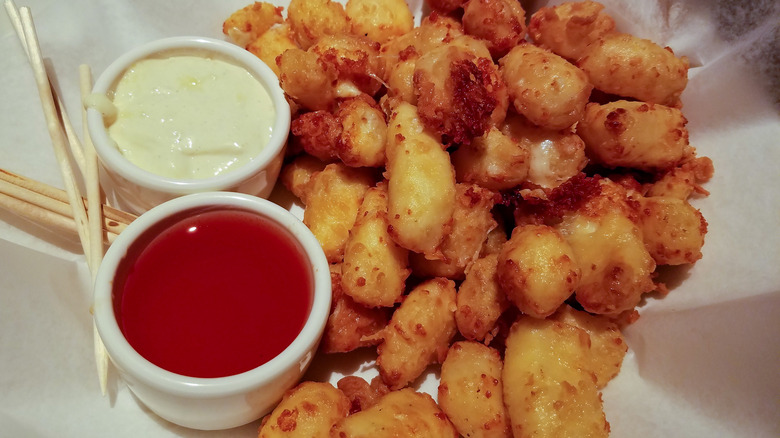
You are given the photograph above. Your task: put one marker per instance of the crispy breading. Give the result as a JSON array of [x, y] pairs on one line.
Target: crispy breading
[[355, 59], [363, 132], [317, 133], [554, 156], [297, 174], [684, 181], [457, 92], [434, 31]]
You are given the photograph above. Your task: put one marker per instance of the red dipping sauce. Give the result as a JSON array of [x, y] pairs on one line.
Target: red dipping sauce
[[213, 293]]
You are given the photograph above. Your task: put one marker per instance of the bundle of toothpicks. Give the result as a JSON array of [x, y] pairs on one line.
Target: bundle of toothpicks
[[88, 221]]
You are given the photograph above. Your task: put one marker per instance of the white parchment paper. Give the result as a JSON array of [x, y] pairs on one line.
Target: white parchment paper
[[703, 361]]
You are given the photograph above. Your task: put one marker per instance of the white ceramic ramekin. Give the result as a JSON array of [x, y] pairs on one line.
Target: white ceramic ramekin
[[212, 403], [138, 190]]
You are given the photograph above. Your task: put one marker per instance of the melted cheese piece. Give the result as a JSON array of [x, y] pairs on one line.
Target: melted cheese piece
[[190, 117], [541, 171]]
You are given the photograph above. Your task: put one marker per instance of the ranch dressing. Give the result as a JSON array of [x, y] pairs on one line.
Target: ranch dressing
[[190, 117]]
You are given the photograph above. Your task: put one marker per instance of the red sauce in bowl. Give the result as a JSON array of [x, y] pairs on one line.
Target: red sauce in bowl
[[213, 293]]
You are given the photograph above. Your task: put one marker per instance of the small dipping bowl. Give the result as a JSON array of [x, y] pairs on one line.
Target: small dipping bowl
[[137, 190], [210, 403]]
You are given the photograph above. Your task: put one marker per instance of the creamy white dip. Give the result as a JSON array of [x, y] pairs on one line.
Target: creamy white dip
[[190, 117]]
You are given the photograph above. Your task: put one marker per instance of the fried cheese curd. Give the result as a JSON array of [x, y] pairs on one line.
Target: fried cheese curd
[[637, 135], [481, 301], [361, 394], [355, 133], [419, 333], [544, 87], [336, 66], [520, 152], [555, 156], [247, 24], [457, 92], [313, 19], [333, 197], [568, 28], [308, 410], [421, 183], [549, 386], [356, 59], [471, 390], [402, 413], [501, 23], [307, 79], [472, 222], [630, 66], [485, 213], [493, 160], [537, 270], [375, 268], [607, 242], [271, 44], [400, 54], [350, 325], [379, 20]]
